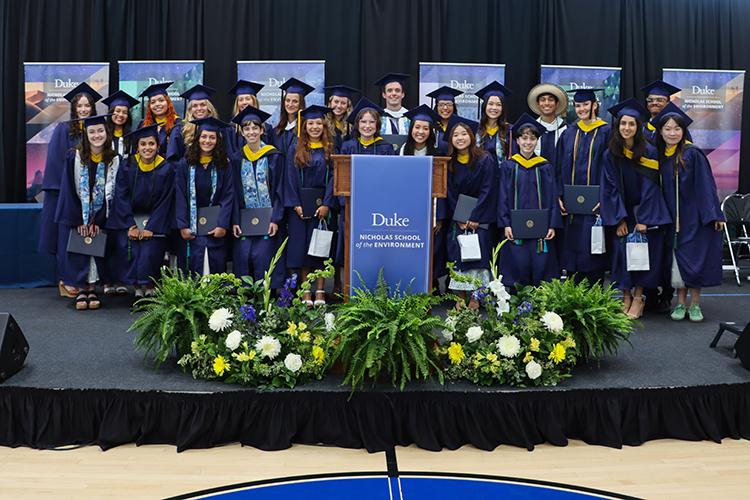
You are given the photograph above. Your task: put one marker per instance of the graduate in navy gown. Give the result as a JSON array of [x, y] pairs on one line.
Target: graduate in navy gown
[[292, 102], [203, 179], [527, 181], [160, 111], [550, 102], [84, 204], [690, 192], [308, 165], [65, 138], [632, 201], [494, 130], [258, 172], [579, 162], [444, 104], [657, 93], [366, 140], [145, 193], [119, 105], [471, 172], [393, 120], [198, 106], [422, 141], [245, 94], [340, 100]]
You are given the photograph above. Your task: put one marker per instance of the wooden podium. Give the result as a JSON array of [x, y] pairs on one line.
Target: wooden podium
[[342, 186]]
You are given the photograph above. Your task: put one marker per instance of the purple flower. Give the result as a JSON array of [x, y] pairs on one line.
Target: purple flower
[[524, 308], [285, 294], [293, 281], [248, 313], [480, 293]]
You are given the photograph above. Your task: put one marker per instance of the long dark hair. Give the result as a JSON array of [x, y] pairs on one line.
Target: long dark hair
[[125, 128], [661, 146], [74, 126], [218, 157], [284, 116], [617, 143], [475, 152], [411, 144], [502, 124], [84, 149]]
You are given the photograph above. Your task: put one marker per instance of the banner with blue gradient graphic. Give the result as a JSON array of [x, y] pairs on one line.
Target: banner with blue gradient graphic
[[468, 78]]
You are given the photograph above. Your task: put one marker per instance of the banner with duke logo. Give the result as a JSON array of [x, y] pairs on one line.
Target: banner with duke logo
[[713, 99], [272, 74], [586, 77], [45, 87], [391, 221], [468, 78]]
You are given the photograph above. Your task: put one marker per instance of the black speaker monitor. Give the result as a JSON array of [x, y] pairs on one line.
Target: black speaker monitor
[[13, 347]]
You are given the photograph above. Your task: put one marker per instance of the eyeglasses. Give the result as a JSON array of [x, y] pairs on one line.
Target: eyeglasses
[[445, 105], [659, 100]]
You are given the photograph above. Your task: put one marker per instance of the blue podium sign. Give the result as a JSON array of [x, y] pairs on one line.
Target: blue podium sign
[[391, 221]]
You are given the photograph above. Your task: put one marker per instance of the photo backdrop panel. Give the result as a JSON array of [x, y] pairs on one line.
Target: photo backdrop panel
[[586, 77], [467, 78]]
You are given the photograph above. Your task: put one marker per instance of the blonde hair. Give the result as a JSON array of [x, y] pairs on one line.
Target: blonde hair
[[188, 129], [236, 109], [330, 119]]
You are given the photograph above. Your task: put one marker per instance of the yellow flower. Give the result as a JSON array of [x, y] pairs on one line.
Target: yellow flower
[[492, 357], [528, 357], [244, 357], [558, 353], [304, 336], [220, 365], [534, 344], [194, 347], [291, 328], [456, 353], [319, 355], [301, 326], [568, 343]]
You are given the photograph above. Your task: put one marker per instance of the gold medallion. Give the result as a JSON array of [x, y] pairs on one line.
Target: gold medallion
[[254, 221], [529, 223], [88, 240], [202, 221], [580, 198]]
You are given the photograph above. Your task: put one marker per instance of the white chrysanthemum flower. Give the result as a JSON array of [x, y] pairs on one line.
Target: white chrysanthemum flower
[[533, 370], [233, 340], [474, 333], [508, 346], [293, 362], [503, 306], [448, 335], [552, 321], [330, 321], [220, 319], [450, 322], [268, 346]]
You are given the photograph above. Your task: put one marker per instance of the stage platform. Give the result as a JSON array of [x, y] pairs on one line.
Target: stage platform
[[84, 383]]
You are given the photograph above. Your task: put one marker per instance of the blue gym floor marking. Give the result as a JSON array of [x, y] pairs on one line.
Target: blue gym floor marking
[[407, 486]]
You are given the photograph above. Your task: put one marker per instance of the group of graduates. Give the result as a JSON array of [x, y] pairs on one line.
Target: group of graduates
[[148, 186]]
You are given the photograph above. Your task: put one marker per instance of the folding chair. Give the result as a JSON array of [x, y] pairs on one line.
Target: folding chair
[[732, 327], [736, 208]]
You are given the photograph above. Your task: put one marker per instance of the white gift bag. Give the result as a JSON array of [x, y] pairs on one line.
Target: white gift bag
[[469, 245], [636, 252], [598, 246], [320, 242]]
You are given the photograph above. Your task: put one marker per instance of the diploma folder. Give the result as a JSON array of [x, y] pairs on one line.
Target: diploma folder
[[397, 140], [255, 221], [580, 199], [87, 245], [312, 198], [529, 224], [464, 206], [208, 219]]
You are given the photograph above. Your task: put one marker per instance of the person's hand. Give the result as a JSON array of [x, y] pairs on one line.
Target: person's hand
[[236, 231], [146, 234], [622, 229], [563, 210], [187, 234], [472, 225], [596, 208], [83, 230], [322, 212], [462, 226], [641, 228], [218, 232], [438, 226], [719, 225], [273, 228], [550, 234], [509, 233], [133, 233], [298, 211], [94, 230]]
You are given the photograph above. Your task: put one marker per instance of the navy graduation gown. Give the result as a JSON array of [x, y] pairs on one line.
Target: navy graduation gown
[[590, 145], [490, 144], [164, 137], [354, 147], [698, 246], [523, 261], [176, 145], [252, 255], [284, 140], [317, 174], [631, 191], [476, 180], [150, 193], [223, 197]]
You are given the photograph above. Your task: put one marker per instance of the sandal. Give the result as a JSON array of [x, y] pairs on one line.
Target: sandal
[[121, 290], [66, 291], [627, 300], [320, 298], [94, 301], [109, 291], [81, 302], [307, 300], [636, 308]]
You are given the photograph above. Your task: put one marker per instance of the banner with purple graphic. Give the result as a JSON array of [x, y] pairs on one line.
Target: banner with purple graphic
[[713, 99], [44, 89], [468, 78], [272, 74], [586, 77], [135, 76]]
